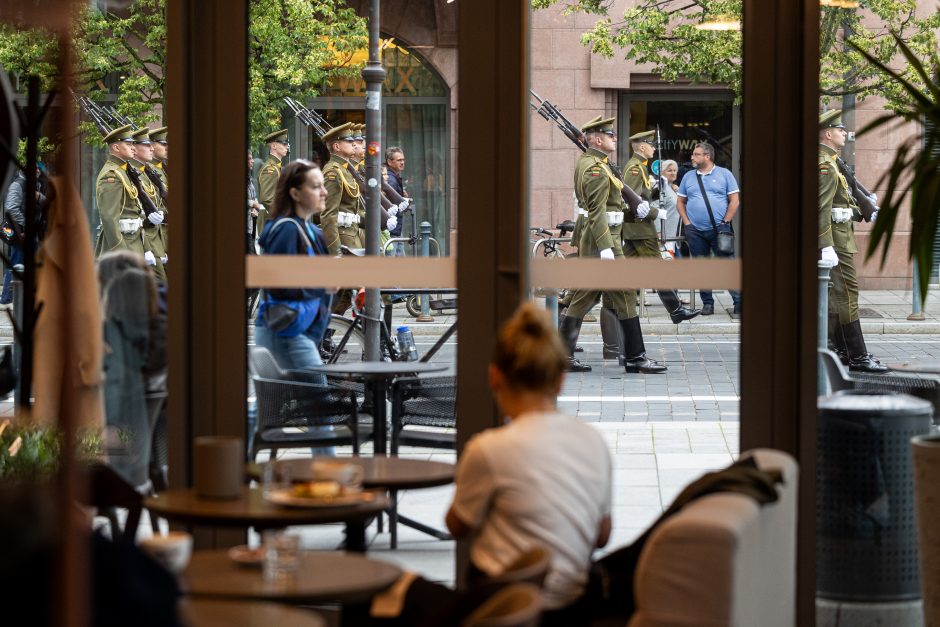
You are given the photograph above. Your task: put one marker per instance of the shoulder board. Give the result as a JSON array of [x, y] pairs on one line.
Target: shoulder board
[[635, 171], [330, 176], [269, 169]]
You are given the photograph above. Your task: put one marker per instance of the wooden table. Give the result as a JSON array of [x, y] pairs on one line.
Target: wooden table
[[390, 473], [377, 375], [323, 577], [252, 510], [212, 613]]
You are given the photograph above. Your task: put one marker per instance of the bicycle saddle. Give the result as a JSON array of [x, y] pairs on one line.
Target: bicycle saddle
[[565, 227], [355, 252]]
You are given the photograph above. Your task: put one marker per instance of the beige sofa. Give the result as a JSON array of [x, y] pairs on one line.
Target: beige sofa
[[723, 561]]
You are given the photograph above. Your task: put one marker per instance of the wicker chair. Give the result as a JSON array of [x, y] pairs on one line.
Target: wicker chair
[[291, 404], [516, 605], [429, 402]]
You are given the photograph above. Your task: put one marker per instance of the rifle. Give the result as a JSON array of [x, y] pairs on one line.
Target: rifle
[[859, 192], [551, 113], [91, 111]]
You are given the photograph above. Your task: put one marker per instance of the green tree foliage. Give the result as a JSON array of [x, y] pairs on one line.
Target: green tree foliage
[[663, 33], [295, 46]]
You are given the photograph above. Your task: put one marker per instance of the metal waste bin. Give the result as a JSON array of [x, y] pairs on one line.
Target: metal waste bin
[[866, 528]]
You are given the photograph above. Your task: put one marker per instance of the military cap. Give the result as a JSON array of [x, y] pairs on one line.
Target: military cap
[[277, 136], [831, 119], [343, 131], [360, 131], [644, 136], [599, 124], [158, 135], [121, 134], [142, 136]]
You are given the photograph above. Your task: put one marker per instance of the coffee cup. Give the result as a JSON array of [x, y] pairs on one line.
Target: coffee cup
[[172, 551], [344, 473], [219, 466]]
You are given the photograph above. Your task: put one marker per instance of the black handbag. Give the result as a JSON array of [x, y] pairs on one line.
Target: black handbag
[[278, 316], [725, 245]]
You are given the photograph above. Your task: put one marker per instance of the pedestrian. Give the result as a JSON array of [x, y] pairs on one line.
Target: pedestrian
[[640, 238], [119, 208], [669, 170], [14, 223], [837, 210], [278, 148], [395, 165], [151, 197], [708, 199], [598, 192], [254, 209]]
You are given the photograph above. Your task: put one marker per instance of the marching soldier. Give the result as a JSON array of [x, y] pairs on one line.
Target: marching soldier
[[639, 235], [837, 211], [158, 140], [148, 186], [278, 148], [117, 198], [359, 158], [598, 191]]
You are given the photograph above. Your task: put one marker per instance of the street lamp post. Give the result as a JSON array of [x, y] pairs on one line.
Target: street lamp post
[[374, 76]]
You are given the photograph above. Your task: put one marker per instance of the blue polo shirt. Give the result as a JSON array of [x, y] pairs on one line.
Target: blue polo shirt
[[718, 184]]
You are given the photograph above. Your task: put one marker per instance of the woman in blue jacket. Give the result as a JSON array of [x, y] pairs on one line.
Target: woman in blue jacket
[[294, 339]]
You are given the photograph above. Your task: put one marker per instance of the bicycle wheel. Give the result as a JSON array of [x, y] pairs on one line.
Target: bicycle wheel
[[413, 305], [333, 350]]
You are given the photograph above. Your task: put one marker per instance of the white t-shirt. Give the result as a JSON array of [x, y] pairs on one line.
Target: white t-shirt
[[542, 480]]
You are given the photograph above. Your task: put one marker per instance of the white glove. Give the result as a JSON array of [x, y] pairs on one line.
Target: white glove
[[392, 223], [150, 259], [873, 197], [164, 259], [662, 214], [829, 256], [261, 207], [156, 218], [643, 210], [404, 205], [874, 216], [393, 210], [607, 253]]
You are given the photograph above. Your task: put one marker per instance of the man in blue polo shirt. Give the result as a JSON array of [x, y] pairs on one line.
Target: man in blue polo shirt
[[724, 198]]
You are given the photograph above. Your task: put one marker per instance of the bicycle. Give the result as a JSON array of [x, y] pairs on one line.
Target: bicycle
[[551, 248]]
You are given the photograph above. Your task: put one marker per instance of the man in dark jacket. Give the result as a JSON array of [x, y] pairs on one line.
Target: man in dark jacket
[[13, 212], [395, 164]]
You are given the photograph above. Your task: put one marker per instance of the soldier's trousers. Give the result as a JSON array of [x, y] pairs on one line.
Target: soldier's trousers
[[843, 292], [641, 248], [623, 302]]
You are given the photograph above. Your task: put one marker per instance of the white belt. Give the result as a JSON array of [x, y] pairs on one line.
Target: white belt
[[841, 214], [130, 225], [582, 212], [614, 218], [347, 219]]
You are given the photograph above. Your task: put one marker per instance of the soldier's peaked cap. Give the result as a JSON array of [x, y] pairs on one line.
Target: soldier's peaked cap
[[343, 131], [831, 119], [121, 134], [598, 125], [142, 136], [276, 136], [644, 136], [158, 135]]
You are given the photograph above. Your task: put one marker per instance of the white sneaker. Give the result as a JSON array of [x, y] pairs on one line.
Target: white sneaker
[[6, 306]]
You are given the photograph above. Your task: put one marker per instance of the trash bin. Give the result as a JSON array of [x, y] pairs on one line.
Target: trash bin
[[866, 527]]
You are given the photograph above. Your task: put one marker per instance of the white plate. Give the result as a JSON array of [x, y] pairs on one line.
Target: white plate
[[287, 499], [243, 555]]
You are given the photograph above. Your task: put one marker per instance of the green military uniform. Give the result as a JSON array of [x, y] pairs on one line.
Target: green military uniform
[[837, 211], [153, 234], [116, 198], [267, 178], [343, 196], [159, 135]]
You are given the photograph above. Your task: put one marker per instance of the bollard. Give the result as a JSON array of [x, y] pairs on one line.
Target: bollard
[[17, 285], [917, 307], [822, 384], [425, 252]]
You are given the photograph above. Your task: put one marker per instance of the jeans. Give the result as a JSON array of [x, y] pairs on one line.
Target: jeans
[[704, 244], [16, 257]]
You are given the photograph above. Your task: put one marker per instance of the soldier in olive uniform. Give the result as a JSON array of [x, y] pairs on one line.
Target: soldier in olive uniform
[[640, 238], [598, 191], [118, 205], [160, 150], [359, 157], [278, 148], [837, 211], [148, 189]]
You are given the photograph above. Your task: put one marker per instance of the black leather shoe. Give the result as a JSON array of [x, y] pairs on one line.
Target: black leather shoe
[[576, 366], [578, 348], [708, 309], [867, 363], [643, 365], [683, 313]]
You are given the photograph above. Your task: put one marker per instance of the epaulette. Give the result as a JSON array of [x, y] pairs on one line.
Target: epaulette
[[635, 171]]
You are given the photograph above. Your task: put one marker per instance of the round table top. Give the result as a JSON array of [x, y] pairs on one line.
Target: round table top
[[379, 369], [391, 473], [212, 613], [322, 577], [923, 367], [250, 509]]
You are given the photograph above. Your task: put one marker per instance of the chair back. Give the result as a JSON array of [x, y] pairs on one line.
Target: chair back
[[530, 567], [110, 491], [836, 373], [516, 605], [426, 401], [262, 363]]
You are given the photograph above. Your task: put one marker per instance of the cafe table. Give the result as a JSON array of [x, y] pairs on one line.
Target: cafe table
[[322, 577], [215, 613], [378, 375], [251, 509]]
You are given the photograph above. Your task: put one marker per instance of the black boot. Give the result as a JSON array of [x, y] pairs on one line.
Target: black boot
[[634, 350], [569, 330], [561, 316], [677, 312], [836, 339], [860, 360], [610, 331]]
